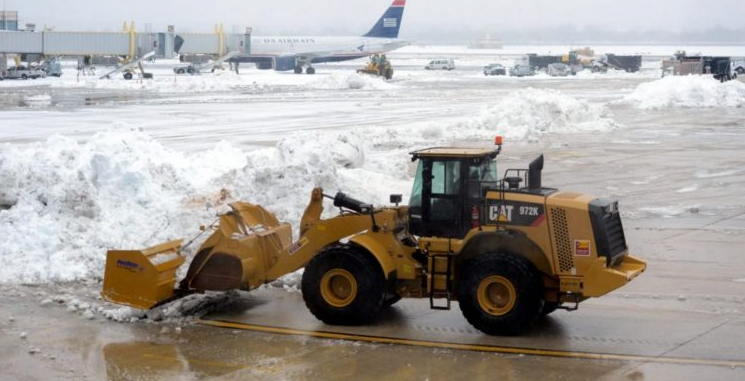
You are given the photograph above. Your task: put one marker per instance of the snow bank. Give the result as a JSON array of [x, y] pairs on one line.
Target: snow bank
[[229, 81], [352, 81], [164, 84], [532, 113], [686, 91], [64, 203], [524, 115]]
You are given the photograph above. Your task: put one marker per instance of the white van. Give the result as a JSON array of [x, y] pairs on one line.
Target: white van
[[441, 64]]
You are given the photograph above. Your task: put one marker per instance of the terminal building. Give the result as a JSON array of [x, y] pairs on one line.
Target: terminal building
[[8, 20]]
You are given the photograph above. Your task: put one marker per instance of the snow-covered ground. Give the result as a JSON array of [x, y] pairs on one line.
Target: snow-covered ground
[[88, 165]]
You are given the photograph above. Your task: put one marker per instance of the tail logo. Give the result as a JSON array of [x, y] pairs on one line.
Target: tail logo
[[390, 23]]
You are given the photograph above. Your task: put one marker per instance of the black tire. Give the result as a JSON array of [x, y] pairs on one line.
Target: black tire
[[127, 76], [390, 299], [298, 70], [180, 71], [24, 76], [548, 308], [740, 70], [310, 70], [361, 306], [524, 300]]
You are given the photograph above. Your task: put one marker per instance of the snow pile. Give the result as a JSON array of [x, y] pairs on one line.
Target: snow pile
[[525, 115], [531, 113], [229, 81], [686, 91], [64, 203], [165, 84], [349, 81]]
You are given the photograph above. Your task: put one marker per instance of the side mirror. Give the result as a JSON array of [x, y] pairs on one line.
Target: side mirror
[[396, 199]]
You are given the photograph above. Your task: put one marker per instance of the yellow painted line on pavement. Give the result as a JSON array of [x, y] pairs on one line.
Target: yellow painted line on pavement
[[472, 347]]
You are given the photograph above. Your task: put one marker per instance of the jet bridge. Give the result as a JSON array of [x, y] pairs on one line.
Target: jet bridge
[[127, 43]]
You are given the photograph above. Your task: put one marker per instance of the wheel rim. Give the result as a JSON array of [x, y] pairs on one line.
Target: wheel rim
[[338, 287], [496, 295]]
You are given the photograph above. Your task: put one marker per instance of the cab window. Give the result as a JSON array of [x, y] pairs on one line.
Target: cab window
[[416, 190], [446, 177]]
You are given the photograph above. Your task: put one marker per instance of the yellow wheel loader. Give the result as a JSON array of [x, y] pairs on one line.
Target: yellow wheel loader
[[507, 249], [384, 69]]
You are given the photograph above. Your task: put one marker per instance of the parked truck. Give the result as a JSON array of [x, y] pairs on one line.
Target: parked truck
[[721, 68]]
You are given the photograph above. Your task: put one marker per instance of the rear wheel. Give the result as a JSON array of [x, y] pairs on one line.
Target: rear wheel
[[24, 76], [342, 285], [298, 70], [391, 299], [549, 307], [127, 76], [500, 293], [310, 70], [180, 71]]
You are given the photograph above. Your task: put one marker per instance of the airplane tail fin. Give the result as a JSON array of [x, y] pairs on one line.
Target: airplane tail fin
[[390, 22]]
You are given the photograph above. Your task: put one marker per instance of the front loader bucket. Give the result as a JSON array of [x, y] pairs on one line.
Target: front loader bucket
[[142, 278]]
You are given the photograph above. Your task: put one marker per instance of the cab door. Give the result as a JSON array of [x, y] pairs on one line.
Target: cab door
[[436, 205]]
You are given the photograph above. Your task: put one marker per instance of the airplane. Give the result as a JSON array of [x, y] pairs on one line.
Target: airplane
[[298, 52]]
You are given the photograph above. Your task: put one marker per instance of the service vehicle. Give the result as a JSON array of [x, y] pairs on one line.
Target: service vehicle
[[495, 69], [558, 69], [52, 69], [441, 64], [739, 64], [509, 250], [378, 68], [23, 72], [521, 71]]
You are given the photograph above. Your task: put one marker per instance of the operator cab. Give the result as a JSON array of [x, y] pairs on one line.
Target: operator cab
[[449, 187]]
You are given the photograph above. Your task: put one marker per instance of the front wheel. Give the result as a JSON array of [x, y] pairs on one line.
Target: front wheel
[[342, 285], [500, 293], [24, 76]]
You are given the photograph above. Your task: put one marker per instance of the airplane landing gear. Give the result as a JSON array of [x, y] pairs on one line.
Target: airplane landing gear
[[298, 69], [310, 70]]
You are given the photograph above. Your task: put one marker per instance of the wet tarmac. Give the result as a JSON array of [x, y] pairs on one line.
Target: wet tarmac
[[75, 348], [677, 173]]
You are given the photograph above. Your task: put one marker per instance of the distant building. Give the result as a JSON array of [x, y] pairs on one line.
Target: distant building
[[8, 20]]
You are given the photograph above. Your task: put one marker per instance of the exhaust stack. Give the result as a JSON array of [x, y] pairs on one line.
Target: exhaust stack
[[534, 173]]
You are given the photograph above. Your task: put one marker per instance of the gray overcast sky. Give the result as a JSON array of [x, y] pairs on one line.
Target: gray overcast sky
[[355, 17]]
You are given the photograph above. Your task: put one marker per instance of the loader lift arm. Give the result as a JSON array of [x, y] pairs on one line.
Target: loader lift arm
[[249, 248]]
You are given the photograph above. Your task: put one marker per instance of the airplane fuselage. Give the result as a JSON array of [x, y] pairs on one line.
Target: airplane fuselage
[[322, 48]]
